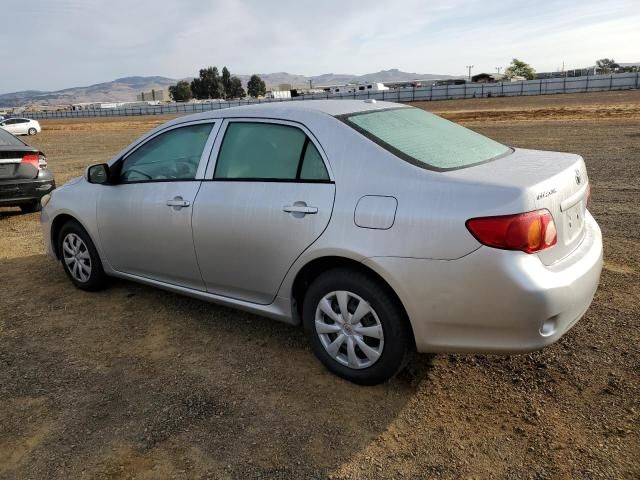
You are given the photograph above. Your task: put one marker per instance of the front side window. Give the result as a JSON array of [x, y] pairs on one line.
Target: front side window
[[268, 151], [173, 155], [425, 139]]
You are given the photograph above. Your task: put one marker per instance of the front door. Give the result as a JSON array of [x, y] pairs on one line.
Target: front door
[[11, 125], [144, 216], [269, 198]]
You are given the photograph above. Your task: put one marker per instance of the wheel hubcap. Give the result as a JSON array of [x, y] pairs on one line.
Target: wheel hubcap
[[349, 329], [76, 256]]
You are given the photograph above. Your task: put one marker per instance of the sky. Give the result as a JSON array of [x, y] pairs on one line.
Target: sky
[[55, 44]]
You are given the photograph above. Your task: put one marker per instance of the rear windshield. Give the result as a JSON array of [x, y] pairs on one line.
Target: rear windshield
[[8, 140], [425, 139]]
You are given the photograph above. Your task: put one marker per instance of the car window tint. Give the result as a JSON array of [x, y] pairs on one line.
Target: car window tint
[[426, 139], [173, 155], [312, 165], [260, 151], [8, 140]]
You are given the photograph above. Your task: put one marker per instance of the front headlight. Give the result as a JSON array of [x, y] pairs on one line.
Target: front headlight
[[45, 199]]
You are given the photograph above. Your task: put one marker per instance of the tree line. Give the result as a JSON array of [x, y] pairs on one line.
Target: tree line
[[603, 65], [211, 84]]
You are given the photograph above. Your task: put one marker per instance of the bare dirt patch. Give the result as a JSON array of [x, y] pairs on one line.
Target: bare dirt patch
[[577, 106], [135, 382]]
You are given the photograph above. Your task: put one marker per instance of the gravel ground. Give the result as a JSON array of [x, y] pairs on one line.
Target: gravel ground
[[138, 383]]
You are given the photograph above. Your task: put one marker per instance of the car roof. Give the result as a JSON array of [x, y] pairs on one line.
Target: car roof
[[285, 109]]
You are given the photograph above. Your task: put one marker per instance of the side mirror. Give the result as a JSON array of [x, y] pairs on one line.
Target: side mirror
[[98, 174]]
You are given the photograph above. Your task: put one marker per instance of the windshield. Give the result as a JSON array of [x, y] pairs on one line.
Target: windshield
[[425, 139], [8, 140]]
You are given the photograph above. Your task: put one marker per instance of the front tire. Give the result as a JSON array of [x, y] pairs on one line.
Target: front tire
[[356, 327], [80, 258], [32, 131]]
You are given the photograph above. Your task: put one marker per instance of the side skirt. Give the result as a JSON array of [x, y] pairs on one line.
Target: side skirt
[[279, 309]]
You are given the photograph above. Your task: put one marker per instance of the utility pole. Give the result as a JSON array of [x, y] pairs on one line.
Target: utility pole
[[498, 70], [469, 67], [310, 84]]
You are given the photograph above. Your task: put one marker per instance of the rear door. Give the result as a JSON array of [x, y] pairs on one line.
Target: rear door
[[144, 217], [266, 198], [22, 126]]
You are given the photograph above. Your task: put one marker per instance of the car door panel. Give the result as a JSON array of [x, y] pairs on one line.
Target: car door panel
[[10, 126], [246, 241], [249, 231], [142, 235], [145, 224]]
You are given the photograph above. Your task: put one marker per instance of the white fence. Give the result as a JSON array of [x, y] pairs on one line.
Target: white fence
[[593, 83]]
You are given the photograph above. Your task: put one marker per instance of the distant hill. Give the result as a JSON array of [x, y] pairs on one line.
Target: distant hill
[[393, 75], [120, 90], [126, 89]]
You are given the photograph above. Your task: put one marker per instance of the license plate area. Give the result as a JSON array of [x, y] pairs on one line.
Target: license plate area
[[573, 222], [6, 170]]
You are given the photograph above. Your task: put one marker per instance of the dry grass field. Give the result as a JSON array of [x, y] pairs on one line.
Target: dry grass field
[[134, 382]]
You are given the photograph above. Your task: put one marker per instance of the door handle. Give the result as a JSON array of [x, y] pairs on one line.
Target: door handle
[[303, 209], [178, 203]]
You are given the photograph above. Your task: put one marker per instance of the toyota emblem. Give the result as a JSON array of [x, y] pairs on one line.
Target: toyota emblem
[[578, 177]]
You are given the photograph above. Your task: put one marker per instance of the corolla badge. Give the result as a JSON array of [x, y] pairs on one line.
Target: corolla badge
[[578, 177], [547, 193]]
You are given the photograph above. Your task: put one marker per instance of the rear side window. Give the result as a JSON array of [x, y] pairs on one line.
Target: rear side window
[[268, 151], [8, 140], [425, 139]]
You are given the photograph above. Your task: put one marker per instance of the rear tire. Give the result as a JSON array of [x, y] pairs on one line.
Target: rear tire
[[80, 258], [32, 131], [32, 207], [373, 343]]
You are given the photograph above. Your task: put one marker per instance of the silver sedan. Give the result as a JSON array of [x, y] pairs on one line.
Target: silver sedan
[[381, 228]]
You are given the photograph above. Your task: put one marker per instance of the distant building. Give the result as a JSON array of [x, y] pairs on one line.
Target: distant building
[[417, 83], [154, 95], [278, 94], [576, 72], [449, 81], [487, 78], [355, 87], [112, 105]]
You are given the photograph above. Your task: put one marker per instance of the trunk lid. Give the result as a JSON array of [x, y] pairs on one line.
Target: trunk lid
[[11, 165], [552, 180]]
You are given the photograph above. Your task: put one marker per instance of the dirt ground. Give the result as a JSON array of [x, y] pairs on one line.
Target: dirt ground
[[134, 382]]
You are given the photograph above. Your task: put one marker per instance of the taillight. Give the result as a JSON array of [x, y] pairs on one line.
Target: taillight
[[529, 232], [588, 195], [32, 158]]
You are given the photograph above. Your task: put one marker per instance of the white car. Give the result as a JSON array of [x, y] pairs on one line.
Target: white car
[[21, 126]]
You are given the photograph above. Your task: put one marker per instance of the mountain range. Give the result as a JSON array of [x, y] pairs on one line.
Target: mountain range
[[126, 89]]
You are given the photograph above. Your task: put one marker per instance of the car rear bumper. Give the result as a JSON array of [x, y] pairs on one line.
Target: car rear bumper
[[17, 192], [495, 301]]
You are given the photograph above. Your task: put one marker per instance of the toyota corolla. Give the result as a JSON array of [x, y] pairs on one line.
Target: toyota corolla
[[381, 228]]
